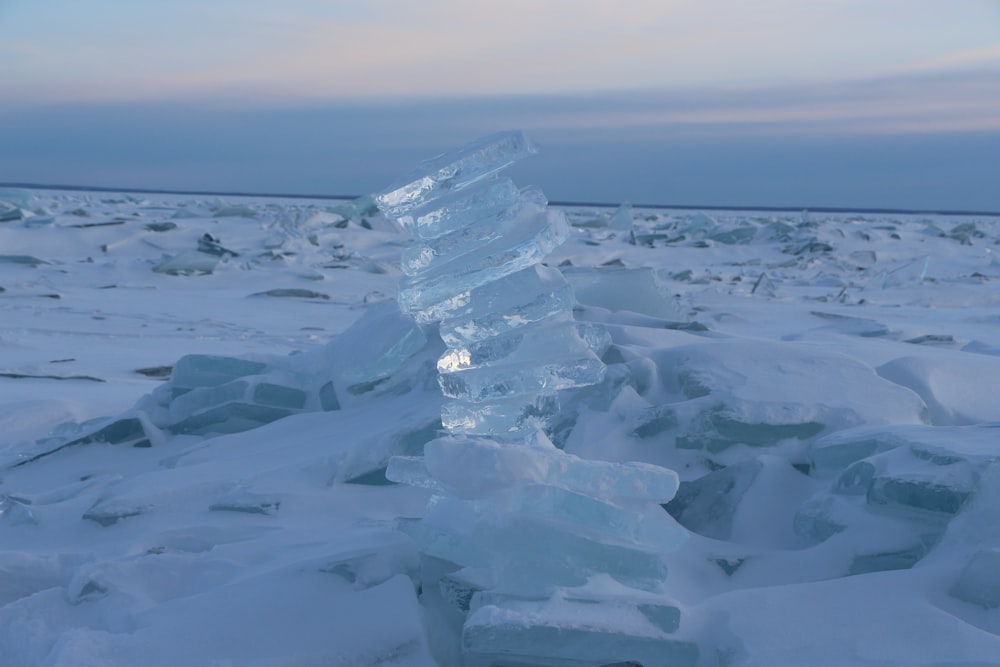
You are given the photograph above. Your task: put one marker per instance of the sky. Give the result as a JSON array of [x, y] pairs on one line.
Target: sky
[[850, 103]]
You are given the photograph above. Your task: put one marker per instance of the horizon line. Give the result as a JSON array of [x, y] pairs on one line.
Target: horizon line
[[682, 207]]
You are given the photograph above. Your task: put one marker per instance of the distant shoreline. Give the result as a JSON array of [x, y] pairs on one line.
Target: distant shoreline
[[682, 207]]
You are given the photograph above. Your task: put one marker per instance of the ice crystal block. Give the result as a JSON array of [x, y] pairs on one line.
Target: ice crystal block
[[516, 418], [525, 296], [979, 581], [513, 516], [482, 228], [621, 288], [436, 294], [490, 199], [565, 633], [454, 171], [205, 370], [499, 466]]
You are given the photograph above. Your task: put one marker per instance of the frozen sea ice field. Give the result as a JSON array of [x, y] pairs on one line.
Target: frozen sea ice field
[[200, 397]]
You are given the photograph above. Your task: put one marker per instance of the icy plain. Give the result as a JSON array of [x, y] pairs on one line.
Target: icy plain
[[825, 385]]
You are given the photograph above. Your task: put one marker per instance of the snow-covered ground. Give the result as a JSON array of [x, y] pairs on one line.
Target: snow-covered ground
[[826, 386]]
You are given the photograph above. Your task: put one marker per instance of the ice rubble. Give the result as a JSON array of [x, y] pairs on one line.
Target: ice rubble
[[828, 411], [519, 533]]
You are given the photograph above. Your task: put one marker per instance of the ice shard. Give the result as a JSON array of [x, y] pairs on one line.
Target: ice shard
[[518, 529]]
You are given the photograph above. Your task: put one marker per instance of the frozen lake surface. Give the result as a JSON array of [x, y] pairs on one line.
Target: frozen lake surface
[[825, 386]]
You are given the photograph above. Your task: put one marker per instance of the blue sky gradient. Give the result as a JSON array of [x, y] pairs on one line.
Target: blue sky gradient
[[874, 103]]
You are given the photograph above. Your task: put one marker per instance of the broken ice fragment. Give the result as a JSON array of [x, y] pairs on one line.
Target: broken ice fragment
[[532, 342], [206, 370], [247, 503], [26, 260], [110, 511], [431, 254], [328, 397], [499, 466], [708, 504], [127, 430], [380, 343], [599, 519], [819, 519], [529, 295], [15, 512], [511, 419], [620, 288], [188, 263], [530, 376], [202, 398], [234, 417], [293, 292], [487, 202], [737, 236], [210, 245], [10, 213], [454, 171], [721, 426], [621, 219], [267, 393], [837, 451], [436, 294], [901, 274], [569, 634], [222, 210], [902, 559], [978, 582], [920, 492]]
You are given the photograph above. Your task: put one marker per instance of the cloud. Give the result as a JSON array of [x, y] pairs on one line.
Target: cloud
[[62, 50]]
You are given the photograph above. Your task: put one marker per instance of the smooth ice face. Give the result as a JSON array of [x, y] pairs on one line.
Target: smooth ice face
[[572, 633], [490, 199], [515, 419], [206, 370], [454, 171], [529, 295], [578, 369], [538, 342], [390, 338], [978, 582], [621, 288], [435, 294], [499, 466], [433, 254]]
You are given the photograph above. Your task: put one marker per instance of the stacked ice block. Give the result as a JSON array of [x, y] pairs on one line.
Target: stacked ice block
[[544, 558]]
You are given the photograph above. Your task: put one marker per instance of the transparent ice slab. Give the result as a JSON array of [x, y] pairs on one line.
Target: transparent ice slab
[[454, 171], [437, 294], [488, 200], [566, 633], [978, 582], [528, 554], [513, 419], [535, 342], [601, 520], [499, 466], [529, 295], [206, 370], [529, 377], [434, 254], [624, 288], [386, 338]]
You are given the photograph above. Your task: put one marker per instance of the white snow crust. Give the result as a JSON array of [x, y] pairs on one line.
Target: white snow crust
[[826, 386]]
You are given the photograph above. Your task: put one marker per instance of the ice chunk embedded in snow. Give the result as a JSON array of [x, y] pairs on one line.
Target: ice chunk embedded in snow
[[979, 581], [621, 288]]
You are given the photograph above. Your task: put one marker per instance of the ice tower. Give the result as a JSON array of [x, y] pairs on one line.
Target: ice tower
[[541, 557]]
